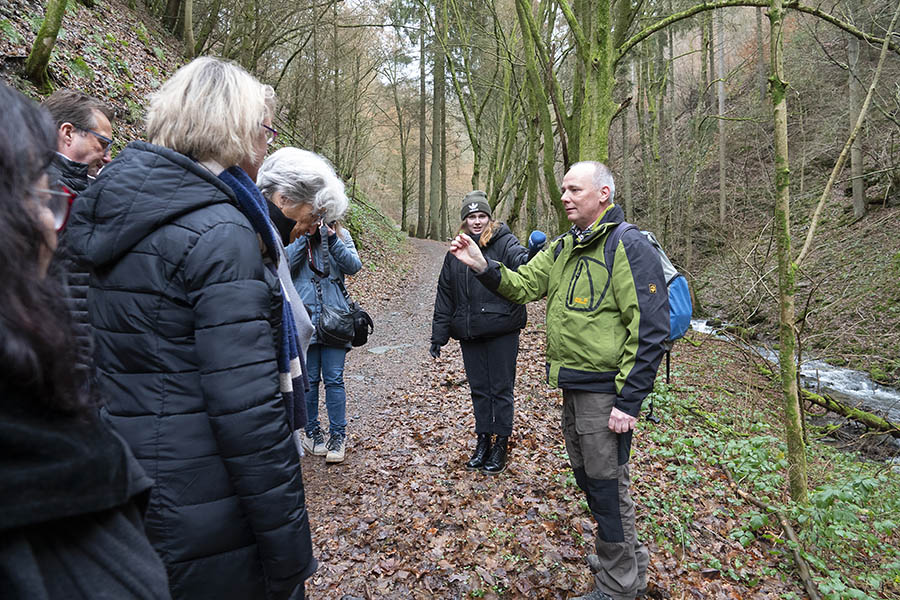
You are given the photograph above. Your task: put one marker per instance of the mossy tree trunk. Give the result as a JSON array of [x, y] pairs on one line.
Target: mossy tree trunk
[[797, 473], [538, 105], [39, 57], [189, 44], [420, 221], [435, 231]]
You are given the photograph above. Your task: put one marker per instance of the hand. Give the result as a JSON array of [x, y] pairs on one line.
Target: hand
[[621, 422], [297, 231], [466, 250], [435, 351]]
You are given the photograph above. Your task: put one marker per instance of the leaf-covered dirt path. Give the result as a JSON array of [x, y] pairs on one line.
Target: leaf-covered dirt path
[[401, 518]]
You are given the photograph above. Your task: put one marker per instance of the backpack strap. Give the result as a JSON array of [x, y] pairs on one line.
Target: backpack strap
[[559, 241], [612, 242]]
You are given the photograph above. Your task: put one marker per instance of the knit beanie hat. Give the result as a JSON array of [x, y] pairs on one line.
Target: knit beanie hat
[[474, 202]]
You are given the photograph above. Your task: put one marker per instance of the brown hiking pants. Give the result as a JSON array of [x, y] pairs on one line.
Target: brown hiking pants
[[599, 459]]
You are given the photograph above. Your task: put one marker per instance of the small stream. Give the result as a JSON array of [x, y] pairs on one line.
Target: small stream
[[844, 385]]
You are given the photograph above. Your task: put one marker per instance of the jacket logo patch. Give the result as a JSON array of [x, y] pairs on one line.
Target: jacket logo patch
[[588, 286], [652, 288]]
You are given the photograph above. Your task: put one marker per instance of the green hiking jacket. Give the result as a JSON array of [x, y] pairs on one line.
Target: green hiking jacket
[[604, 334]]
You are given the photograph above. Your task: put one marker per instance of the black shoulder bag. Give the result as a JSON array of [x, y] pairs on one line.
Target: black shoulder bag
[[337, 327]]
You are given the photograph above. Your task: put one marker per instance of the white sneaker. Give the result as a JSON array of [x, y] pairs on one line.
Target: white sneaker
[[336, 447], [314, 444]]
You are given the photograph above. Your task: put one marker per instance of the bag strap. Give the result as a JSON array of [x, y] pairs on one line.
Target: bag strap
[[612, 242]]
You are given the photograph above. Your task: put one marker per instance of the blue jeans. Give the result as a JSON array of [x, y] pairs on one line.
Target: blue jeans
[[325, 363]]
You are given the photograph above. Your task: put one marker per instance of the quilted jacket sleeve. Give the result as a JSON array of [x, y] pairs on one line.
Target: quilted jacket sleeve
[[444, 305], [232, 305]]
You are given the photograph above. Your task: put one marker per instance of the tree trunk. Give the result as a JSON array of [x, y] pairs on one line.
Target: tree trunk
[[336, 101], [625, 168], [39, 57], [760, 56], [445, 219], [720, 88], [797, 473], [189, 28], [404, 142], [317, 93], [434, 185], [170, 18], [856, 157], [420, 221]]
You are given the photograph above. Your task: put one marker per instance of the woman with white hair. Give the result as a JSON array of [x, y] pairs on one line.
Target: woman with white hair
[[306, 189], [193, 335]]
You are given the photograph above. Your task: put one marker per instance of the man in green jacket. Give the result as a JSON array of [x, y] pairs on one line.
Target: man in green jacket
[[606, 325]]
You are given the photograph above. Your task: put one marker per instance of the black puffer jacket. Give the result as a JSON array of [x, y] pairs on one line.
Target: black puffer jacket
[[466, 310], [185, 316], [73, 277]]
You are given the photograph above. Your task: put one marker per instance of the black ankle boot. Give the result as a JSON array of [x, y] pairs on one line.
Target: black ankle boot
[[482, 448], [496, 462]]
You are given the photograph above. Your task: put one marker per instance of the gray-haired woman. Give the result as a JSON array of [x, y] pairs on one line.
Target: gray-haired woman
[[306, 188], [191, 328]]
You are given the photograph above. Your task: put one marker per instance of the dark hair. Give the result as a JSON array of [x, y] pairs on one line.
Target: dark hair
[[36, 344], [77, 108]]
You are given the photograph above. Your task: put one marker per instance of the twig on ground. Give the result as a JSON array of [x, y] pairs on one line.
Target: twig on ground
[[802, 567]]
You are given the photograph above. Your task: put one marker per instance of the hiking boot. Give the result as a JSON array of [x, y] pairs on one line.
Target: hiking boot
[[594, 594], [314, 443], [336, 446], [593, 562], [496, 462], [482, 447]]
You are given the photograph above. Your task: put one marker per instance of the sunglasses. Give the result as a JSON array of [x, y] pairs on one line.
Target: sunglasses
[[59, 203]]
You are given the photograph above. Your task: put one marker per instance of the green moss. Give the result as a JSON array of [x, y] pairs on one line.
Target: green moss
[[79, 68], [9, 32]]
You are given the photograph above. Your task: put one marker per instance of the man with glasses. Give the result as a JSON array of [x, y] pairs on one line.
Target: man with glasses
[[83, 144], [83, 138]]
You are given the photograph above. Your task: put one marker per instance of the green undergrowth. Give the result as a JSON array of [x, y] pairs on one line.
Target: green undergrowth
[[375, 235], [848, 533]]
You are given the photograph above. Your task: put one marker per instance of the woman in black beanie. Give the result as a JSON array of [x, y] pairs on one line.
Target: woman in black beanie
[[487, 327]]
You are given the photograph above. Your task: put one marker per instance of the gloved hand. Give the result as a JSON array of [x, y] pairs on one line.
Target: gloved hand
[[536, 242], [435, 350]]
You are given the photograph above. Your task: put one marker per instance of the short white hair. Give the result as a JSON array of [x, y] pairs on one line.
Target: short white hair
[[303, 177], [210, 109], [602, 176]]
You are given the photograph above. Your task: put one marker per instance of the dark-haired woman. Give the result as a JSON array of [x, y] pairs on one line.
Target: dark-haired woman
[[71, 493], [487, 327]]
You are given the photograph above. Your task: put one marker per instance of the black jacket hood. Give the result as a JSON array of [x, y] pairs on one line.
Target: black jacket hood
[[144, 188]]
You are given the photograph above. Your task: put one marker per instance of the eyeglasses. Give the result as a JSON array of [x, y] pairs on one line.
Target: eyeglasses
[[271, 134], [105, 142], [59, 203]]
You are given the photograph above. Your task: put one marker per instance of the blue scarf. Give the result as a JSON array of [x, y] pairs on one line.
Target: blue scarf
[[293, 382]]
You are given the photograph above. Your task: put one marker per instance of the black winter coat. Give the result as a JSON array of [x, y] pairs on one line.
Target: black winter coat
[[185, 316], [70, 525], [466, 310], [73, 277]]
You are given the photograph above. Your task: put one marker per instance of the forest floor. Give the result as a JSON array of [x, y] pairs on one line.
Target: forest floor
[[402, 518]]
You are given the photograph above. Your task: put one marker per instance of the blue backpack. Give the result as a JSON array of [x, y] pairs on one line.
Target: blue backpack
[[680, 307]]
